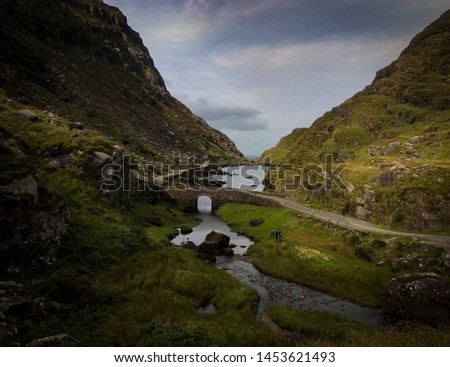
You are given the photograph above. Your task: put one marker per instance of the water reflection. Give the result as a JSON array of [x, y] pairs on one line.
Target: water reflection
[[210, 223]]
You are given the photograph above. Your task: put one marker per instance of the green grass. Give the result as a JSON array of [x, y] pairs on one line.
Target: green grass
[[310, 253], [152, 300], [316, 324], [116, 281], [166, 288], [322, 329]]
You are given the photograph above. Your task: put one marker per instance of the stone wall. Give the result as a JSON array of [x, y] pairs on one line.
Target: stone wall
[[188, 197]]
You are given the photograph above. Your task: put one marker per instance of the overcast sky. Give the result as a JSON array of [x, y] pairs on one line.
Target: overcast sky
[[257, 69]]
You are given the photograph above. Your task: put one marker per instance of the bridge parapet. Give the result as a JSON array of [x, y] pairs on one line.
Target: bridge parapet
[[189, 197]]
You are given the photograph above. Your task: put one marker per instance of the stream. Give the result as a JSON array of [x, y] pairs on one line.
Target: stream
[[269, 288]]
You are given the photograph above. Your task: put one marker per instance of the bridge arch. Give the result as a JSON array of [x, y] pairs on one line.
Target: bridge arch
[[204, 203]]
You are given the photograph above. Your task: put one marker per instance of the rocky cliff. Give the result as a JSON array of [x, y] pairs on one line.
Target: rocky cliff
[[80, 59], [392, 136], [78, 89]]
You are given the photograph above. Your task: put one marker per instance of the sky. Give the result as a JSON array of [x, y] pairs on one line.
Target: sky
[[257, 69]]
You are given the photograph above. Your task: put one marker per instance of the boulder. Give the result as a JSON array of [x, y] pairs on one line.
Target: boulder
[[60, 340], [155, 221], [74, 125], [420, 296], [27, 114], [186, 230], [416, 139], [21, 186], [190, 245], [219, 240], [207, 252], [227, 252], [14, 304], [256, 222], [215, 243], [46, 305], [101, 158]]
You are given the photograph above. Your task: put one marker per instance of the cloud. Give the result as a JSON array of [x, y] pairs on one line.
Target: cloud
[[241, 125], [184, 29], [312, 55], [230, 117]]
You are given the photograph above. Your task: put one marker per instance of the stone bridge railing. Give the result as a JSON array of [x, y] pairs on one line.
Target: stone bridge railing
[[189, 197]]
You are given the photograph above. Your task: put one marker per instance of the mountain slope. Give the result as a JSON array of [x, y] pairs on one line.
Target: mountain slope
[[393, 136], [81, 60], [78, 91]]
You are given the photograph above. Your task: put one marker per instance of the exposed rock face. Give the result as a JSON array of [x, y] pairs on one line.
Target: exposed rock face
[[30, 234], [89, 65], [60, 340], [385, 149], [391, 173], [422, 296], [364, 203]]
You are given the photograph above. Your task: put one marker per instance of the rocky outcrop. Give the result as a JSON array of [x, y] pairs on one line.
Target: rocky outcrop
[[60, 340], [101, 158], [384, 149], [391, 173], [421, 296], [215, 244], [82, 59], [364, 203], [27, 114], [31, 233]]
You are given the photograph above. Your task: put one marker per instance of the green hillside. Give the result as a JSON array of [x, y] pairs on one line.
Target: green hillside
[[393, 137]]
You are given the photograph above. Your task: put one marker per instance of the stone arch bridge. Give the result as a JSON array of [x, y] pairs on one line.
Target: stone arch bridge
[[188, 197]]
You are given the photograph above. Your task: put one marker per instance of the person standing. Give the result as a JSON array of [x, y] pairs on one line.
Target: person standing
[[278, 235]]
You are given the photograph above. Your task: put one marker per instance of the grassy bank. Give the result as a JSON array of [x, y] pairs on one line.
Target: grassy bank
[[152, 300], [324, 329], [311, 252]]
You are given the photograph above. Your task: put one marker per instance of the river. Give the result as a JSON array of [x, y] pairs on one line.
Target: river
[[272, 289], [244, 177]]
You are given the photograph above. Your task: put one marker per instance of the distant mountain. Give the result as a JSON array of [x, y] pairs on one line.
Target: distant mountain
[[81, 60], [394, 138]]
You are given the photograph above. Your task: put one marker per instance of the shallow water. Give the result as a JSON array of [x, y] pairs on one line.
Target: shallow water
[[210, 223], [244, 177], [273, 289], [280, 291]]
